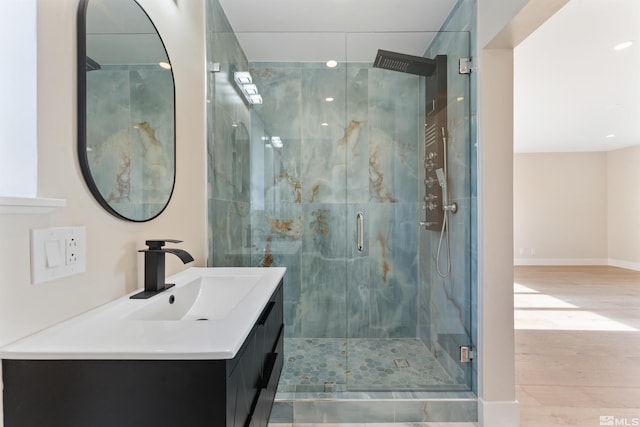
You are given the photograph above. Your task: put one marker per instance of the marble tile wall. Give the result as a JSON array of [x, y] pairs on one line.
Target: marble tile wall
[[228, 146], [362, 160], [132, 134], [447, 306]]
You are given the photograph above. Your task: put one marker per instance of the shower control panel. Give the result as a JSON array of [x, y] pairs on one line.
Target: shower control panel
[[433, 193], [434, 151]]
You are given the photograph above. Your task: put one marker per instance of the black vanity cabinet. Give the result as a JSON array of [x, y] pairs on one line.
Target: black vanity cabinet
[[151, 393], [252, 376]]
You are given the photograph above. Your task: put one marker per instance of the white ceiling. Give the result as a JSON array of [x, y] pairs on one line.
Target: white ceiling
[[571, 88], [119, 32], [353, 30]]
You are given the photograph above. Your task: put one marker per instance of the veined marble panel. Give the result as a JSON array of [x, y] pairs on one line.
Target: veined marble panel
[[229, 222], [357, 148], [281, 90], [130, 144], [395, 131], [318, 84], [281, 173], [325, 230], [228, 147], [323, 300], [393, 269]]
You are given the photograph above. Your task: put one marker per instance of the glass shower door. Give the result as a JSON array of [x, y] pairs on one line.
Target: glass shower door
[[406, 323], [299, 216]]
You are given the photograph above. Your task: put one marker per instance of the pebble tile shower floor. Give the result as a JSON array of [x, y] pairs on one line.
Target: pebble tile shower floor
[[334, 365]]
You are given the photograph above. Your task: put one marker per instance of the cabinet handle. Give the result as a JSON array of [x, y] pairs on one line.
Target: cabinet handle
[[268, 369], [267, 312], [360, 222]]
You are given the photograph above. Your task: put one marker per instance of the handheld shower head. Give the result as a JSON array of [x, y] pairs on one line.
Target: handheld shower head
[[442, 180]]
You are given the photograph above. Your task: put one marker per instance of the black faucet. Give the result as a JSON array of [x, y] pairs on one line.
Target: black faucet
[[154, 266]]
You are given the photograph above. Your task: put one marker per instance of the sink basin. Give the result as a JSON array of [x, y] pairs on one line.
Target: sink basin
[[207, 315], [206, 298]]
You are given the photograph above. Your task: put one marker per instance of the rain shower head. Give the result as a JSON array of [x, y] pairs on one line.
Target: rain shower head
[[404, 63]]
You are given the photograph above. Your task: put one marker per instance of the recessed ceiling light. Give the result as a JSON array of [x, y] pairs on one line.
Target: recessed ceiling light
[[611, 135], [329, 99], [622, 46], [460, 98], [164, 65], [332, 63], [324, 124]]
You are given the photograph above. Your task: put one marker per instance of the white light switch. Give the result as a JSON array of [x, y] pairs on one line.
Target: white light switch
[[57, 252], [53, 253]]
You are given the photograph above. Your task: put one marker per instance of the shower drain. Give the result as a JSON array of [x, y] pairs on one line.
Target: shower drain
[[401, 363]]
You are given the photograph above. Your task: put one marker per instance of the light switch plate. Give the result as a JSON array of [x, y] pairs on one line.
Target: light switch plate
[[57, 252]]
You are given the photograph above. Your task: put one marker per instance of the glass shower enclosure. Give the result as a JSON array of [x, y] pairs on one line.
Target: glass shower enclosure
[[334, 179]]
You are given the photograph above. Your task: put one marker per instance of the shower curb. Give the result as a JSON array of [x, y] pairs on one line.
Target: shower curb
[[374, 410]]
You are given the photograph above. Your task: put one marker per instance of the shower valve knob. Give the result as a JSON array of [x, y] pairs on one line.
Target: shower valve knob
[[453, 207]]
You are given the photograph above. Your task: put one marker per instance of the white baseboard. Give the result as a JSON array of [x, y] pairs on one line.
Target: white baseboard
[[498, 414], [578, 261], [560, 261], [625, 264]]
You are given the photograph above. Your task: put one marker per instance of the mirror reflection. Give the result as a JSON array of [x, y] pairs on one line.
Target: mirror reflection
[[126, 110]]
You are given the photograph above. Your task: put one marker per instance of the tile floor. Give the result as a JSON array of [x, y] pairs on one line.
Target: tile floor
[[577, 346], [359, 364]]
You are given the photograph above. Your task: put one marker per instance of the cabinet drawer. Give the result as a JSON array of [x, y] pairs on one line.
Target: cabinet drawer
[[275, 361], [271, 320]]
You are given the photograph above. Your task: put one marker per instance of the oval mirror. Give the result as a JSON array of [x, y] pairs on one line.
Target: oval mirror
[[126, 109]]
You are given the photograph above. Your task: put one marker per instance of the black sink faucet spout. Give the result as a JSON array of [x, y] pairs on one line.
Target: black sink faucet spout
[[154, 266]]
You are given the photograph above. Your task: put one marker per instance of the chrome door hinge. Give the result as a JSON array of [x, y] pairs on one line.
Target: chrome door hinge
[[467, 354], [466, 65]]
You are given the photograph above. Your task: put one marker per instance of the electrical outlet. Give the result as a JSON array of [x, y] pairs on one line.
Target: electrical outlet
[[57, 252], [72, 251]]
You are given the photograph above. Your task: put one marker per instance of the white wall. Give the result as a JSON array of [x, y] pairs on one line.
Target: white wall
[[583, 210], [623, 187], [501, 26], [113, 265], [560, 208]]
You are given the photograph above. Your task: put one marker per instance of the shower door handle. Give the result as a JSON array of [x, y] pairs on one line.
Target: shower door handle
[[360, 231]]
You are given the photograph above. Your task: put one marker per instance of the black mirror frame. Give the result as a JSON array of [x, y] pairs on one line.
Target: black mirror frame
[[82, 115]]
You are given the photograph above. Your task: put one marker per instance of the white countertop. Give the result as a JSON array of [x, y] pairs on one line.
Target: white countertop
[[112, 331]]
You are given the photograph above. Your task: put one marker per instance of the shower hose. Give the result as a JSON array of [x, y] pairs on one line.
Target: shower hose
[[445, 220], [445, 230]]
